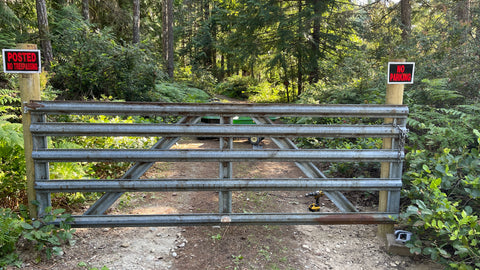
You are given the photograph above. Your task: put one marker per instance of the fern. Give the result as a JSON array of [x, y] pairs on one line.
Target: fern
[[436, 93], [443, 127], [9, 105], [8, 23], [12, 164], [11, 135]]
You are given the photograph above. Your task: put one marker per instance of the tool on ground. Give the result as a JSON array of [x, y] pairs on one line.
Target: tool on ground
[[315, 207]]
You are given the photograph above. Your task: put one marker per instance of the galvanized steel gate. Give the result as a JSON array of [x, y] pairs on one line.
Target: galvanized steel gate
[[42, 127]]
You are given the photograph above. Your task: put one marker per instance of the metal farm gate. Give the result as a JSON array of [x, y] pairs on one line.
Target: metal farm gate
[[45, 123]]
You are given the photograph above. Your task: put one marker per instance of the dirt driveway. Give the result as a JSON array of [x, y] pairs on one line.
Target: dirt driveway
[[230, 247]]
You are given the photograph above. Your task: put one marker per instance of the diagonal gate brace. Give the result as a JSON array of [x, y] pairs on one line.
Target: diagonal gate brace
[[310, 170], [135, 172]]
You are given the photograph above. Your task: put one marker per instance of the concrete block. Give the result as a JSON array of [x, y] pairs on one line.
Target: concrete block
[[397, 248]]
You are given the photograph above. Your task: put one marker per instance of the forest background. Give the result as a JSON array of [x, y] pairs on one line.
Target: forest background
[[304, 51]]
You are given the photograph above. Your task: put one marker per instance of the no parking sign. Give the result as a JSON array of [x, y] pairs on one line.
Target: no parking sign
[[400, 72]]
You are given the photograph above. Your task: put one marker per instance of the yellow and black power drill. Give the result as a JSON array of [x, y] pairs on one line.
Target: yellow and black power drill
[[315, 207]]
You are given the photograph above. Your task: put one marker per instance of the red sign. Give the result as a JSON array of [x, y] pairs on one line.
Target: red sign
[[400, 72], [21, 61]]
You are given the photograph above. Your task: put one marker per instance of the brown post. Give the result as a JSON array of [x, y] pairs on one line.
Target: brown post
[[394, 96], [29, 85]]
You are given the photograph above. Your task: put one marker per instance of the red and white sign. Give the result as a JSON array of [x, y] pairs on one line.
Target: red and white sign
[[21, 61], [400, 72]]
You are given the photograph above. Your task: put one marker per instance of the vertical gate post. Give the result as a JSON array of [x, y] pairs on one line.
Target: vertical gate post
[[29, 85], [225, 171], [394, 96]]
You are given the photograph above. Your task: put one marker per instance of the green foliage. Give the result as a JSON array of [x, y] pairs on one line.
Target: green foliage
[[9, 105], [104, 170], [216, 237], [198, 78], [12, 162], [236, 87], [45, 237], [48, 237], [458, 174], [175, 92], [360, 91], [443, 229], [434, 93], [8, 21], [10, 231], [86, 266], [90, 63], [444, 190], [438, 128], [266, 93]]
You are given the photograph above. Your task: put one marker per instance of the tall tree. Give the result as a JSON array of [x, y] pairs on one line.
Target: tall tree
[[315, 40], [406, 18], [167, 36], [299, 51], [136, 21], [86, 10], [463, 11], [42, 18]]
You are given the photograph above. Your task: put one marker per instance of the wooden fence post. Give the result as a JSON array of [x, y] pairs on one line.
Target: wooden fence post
[[394, 96], [29, 84]]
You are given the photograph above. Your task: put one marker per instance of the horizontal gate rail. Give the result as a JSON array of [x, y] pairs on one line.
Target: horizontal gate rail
[[327, 155], [125, 185], [333, 131], [233, 219], [169, 134], [221, 109]]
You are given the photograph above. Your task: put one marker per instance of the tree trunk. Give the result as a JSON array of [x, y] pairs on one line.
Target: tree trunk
[[45, 42], [167, 38], [315, 42], [136, 22], [207, 48], [58, 4], [299, 53], [86, 10], [463, 11], [406, 16]]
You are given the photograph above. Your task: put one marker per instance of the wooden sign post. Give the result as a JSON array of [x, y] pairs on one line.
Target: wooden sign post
[[399, 73], [29, 84]]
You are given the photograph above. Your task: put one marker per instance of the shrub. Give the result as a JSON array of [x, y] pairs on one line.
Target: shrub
[[46, 236], [10, 231], [266, 93], [439, 128], [443, 229], [10, 105], [357, 92], [175, 92], [236, 87], [444, 192], [195, 77], [12, 162], [90, 63], [42, 233]]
